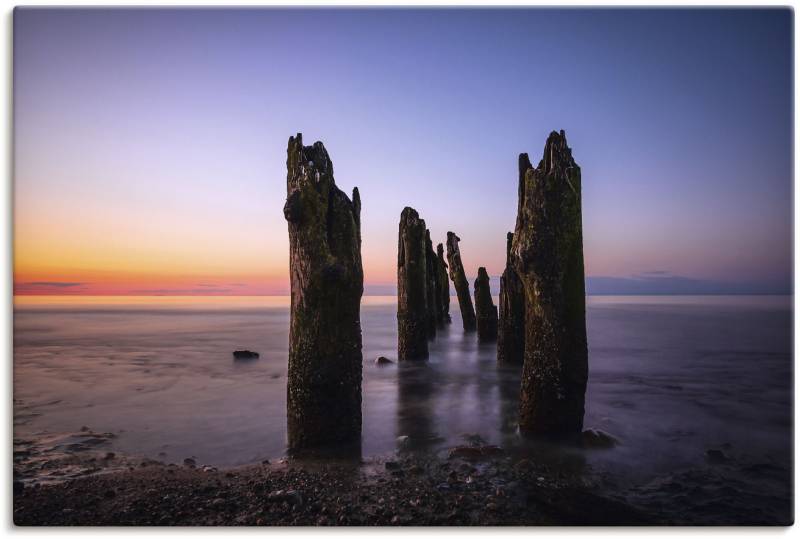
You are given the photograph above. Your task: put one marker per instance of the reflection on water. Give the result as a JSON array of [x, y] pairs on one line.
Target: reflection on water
[[671, 377]]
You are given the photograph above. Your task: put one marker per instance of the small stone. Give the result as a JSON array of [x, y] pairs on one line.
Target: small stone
[[597, 439], [291, 497], [383, 360], [189, 462], [392, 465], [523, 465], [245, 354]]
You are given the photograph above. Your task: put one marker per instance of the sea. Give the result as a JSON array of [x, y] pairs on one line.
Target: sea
[[697, 390]]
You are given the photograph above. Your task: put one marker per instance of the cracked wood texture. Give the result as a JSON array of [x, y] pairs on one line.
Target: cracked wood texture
[[325, 360], [412, 287], [459, 279], [485, 309], [431, 285], [547, 250], [442, 287], [511, 328]]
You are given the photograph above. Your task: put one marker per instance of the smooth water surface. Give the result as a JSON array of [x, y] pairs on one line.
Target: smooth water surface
[[670, 377]]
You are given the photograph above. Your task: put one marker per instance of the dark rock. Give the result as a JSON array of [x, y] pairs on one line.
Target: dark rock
[[325, 360], [511, 325], [110, 455], [548, 257], [597, 439], [485, 309], [292, 497], [412, 284], [19, 487], [456, 270], [189, 462], [391, 465], [245, 354], [442, 288], [381, 360]]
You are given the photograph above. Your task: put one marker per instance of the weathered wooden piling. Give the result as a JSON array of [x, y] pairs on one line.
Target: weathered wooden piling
[[485, 309], [443, 287], [456, 269], [431, 287], [324, 379], [412, 285], [547, 251], [511, 327]]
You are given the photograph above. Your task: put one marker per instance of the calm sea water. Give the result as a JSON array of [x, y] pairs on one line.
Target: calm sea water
[[670, 377]]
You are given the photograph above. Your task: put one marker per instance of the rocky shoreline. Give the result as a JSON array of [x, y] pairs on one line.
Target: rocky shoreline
[[470, 486]]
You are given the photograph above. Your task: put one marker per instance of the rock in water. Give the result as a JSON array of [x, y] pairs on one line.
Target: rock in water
[[511, 330], [244, 354], [431, 292], [485, 309], [460, 282], [327, 280], [548, 257], [412, 284], [443, 287]]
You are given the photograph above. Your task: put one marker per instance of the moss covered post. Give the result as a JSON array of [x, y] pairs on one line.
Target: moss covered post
[[459, 279], [485, 309], [324, 381], [511, 330], [443, 287], [412, 285]]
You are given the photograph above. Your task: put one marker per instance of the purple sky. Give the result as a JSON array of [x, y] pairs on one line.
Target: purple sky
[[150, 145]]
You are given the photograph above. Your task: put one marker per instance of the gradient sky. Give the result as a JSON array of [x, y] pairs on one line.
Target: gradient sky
[[150, 145]]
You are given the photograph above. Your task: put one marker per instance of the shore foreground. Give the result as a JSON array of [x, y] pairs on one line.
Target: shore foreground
[[468, 488]]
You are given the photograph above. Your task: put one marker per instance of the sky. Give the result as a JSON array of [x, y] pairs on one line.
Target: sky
[[150, 145]]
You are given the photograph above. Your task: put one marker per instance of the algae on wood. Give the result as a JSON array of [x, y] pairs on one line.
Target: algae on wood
[[460, 282], [325, 360], [431, 286], [547, 251], [485, 309], [443, 288], [412, 285], [511, 327]]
